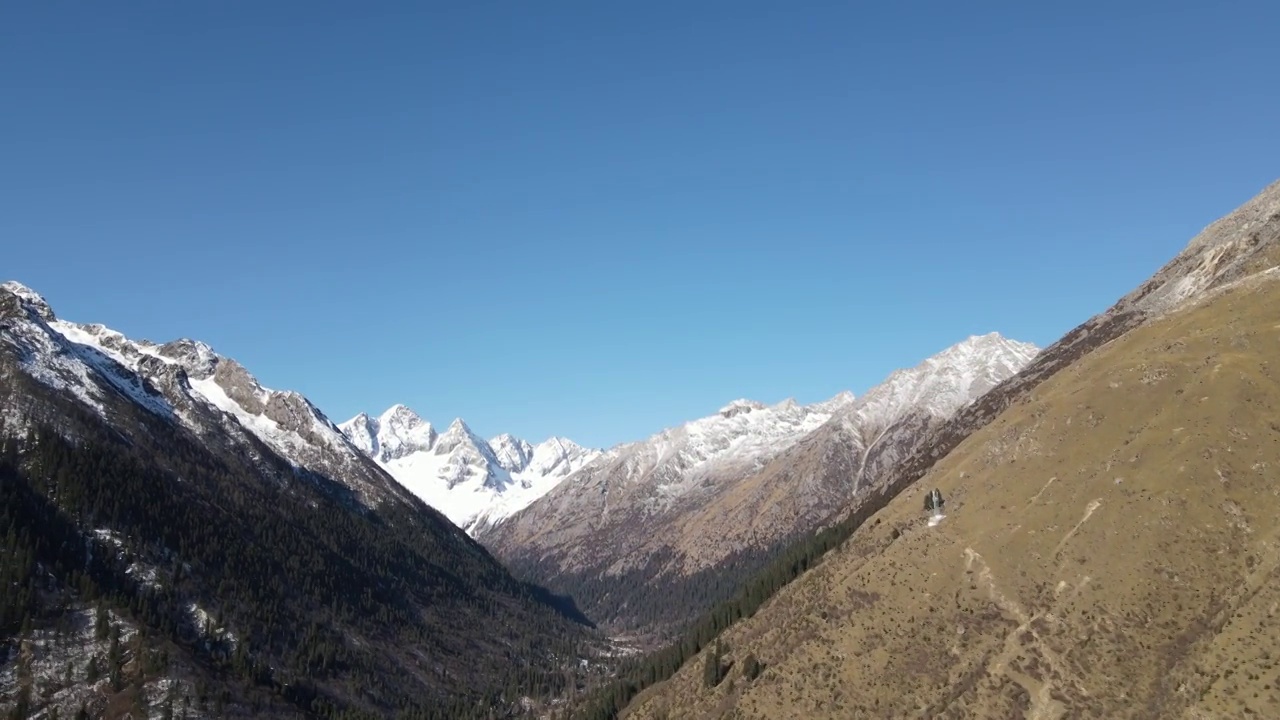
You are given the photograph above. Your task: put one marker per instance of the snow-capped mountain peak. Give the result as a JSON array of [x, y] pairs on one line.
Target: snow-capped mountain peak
[[399, 414], [945, 382], [558, 457], [30, 299], [183, 382], [402, 431], [458, 435], [362, 431], [457, 472], [841, 400], [512, 453], [397, 432], [741, 405]]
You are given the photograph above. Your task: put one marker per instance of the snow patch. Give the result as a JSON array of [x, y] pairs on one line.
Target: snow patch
[[110, 536], [114, 367], [50, 363], [146, 575], [207, 625]]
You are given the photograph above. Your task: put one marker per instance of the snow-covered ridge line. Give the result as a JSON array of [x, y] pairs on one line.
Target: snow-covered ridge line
[[185, 382], [462, 475], [742, 433], [947, 381], [689, 497], [477, 482]]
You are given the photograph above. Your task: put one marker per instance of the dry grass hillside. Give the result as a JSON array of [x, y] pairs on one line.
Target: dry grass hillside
[[1110, 550]]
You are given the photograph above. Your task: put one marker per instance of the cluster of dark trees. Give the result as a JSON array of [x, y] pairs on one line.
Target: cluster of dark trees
[[713, 669], [644, 599], [338, 610]]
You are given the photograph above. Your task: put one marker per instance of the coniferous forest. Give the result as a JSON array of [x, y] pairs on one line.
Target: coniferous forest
[[286, 595]]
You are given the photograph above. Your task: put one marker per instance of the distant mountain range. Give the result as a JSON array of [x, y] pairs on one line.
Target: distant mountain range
[[688, 512], [653, 532], [678, 518], [467, 478]]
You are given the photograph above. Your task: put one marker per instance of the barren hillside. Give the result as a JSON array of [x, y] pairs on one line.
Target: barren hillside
[[1109, 548]]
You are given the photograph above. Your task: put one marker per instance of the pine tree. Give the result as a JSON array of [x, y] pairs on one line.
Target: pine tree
[[23, 706], [712, 672], [115, 660], [101, 623]]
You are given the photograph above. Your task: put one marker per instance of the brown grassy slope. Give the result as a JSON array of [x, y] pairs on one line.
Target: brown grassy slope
[[595, 528], [1110, 550]]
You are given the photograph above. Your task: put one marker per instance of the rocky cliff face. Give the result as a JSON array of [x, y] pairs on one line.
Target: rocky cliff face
[[188, 382]]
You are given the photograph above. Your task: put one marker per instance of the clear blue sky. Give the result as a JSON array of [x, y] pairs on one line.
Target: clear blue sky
[[598, 219]]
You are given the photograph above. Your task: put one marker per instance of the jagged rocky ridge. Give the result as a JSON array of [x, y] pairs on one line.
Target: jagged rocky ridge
[[471, 480], [185, 382]]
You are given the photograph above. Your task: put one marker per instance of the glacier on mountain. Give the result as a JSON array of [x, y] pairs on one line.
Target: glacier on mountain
[[469, 479]]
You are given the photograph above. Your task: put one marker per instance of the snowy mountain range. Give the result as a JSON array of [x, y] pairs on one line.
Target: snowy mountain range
[[469, 479], [723, 490], [479, 484], [459, 474], [688, 498], [739, 439], [164, 476]]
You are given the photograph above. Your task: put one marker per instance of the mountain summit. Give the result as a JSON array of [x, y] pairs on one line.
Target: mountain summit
[[467, 478], [945, 382], [396, 433]]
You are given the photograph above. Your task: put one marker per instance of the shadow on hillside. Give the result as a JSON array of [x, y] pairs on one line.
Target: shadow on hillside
[[562, 604]]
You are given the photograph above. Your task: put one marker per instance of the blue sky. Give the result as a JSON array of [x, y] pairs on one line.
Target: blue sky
[[600, 219]]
